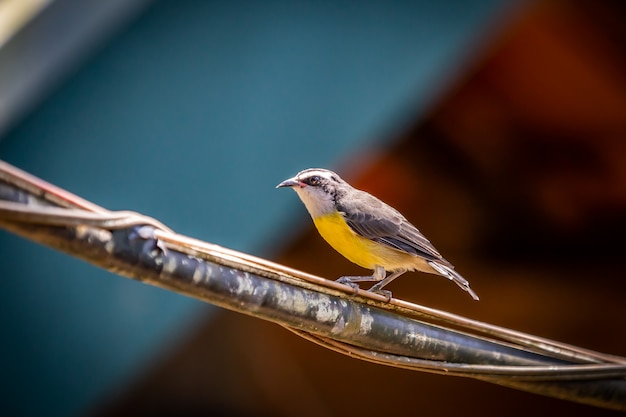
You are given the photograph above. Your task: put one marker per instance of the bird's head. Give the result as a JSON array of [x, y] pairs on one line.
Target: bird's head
[[318, 189]]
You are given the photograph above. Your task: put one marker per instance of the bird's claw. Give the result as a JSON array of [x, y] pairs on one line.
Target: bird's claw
[[384, 293], [346, 281]]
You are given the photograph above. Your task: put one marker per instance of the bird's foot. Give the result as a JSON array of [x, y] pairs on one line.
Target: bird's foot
[[384, 293], [347, 281]]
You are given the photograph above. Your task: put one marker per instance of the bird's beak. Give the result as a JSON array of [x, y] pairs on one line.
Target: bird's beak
[[291, 182]]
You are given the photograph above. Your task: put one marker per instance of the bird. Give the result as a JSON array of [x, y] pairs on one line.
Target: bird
[[368, 232]]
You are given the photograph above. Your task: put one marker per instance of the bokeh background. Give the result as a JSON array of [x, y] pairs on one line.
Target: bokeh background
[[497, 127]]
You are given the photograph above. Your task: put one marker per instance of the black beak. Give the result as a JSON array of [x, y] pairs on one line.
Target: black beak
[[291, 182]]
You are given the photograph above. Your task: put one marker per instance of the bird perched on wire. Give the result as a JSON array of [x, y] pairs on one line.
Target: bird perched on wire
[[368, 232]]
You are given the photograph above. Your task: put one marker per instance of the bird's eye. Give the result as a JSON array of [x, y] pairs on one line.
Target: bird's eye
[[314, 180]]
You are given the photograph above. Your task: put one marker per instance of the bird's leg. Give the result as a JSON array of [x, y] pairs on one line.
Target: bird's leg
[[377, 288], [378, 275]]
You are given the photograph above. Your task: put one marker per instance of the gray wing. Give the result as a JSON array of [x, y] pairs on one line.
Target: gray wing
[[371, 218]]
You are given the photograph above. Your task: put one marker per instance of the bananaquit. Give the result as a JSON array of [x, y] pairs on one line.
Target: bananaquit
[[368, 232]]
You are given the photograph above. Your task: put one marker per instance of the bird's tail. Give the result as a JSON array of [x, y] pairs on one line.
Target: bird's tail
[[452, 275]]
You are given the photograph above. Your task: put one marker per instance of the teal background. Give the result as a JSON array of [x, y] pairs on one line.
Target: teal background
[[192, 114]]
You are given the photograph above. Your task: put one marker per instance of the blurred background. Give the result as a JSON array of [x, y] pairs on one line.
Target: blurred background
[[497, 127]]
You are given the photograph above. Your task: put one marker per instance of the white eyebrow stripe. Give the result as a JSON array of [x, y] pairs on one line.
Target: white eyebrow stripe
[[319, 172]]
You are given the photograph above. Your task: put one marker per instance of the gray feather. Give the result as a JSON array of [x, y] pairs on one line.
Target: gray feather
[[371, 218], [452, 275]]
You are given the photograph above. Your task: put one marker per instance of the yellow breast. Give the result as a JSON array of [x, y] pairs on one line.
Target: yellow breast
[[360, 250]]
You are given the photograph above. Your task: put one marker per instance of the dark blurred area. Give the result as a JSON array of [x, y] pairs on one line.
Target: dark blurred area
[[511, 161], [518, 176]]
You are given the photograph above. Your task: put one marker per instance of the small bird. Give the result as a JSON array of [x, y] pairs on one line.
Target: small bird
[[368, 232]]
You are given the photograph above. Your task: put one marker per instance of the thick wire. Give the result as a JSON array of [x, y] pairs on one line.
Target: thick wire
[[28, 203]]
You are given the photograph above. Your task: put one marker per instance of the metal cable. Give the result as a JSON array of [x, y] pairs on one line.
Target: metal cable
[[362, 325]]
